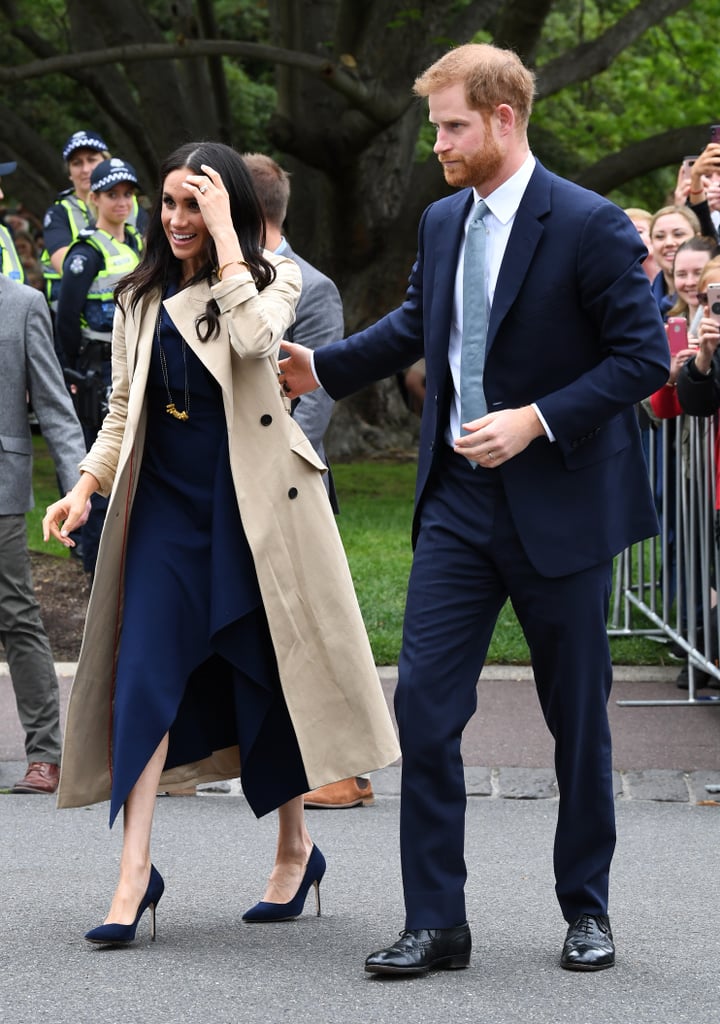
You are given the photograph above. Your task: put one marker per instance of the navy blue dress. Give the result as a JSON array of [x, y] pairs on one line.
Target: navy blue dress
[[195, 656]]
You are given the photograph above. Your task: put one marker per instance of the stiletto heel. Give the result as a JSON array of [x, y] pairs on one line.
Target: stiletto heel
[[122, 934], [266, 912]]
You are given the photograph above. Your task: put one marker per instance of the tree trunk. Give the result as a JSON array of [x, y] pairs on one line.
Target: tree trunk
[[357, 190]]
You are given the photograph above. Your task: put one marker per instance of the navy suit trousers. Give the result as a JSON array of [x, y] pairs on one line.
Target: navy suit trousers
[[468, 561]]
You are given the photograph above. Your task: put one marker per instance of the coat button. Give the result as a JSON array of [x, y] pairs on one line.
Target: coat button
[[293, 492], [266, 419]]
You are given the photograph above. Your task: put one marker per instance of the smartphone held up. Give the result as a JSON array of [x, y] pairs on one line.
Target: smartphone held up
[[713, 302], [677, 334], [687, 165]]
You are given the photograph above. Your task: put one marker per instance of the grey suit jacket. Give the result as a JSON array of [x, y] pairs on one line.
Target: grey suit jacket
[[28, 365], [318, 321]]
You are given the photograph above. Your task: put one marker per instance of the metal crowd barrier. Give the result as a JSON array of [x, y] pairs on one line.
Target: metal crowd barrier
[[665, 587]]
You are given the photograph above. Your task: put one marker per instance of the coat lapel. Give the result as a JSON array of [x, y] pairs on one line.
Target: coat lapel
[[186, 308]]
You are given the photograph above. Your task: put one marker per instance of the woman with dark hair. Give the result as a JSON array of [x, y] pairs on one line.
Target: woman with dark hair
[[222, 618]]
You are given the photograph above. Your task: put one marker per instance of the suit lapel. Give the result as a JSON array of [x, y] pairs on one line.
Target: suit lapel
[[444, 245], [525, 236]]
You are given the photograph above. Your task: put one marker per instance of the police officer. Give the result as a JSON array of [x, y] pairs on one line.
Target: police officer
[[93, 266], [10, 263], [70, 212]]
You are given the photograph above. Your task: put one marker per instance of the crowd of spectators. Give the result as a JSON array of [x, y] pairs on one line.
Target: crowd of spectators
[[682, 241]]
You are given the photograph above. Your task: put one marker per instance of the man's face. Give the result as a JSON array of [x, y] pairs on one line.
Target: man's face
[[469, 144]]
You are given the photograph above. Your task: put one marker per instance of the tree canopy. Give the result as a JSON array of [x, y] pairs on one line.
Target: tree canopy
[[625, 89]]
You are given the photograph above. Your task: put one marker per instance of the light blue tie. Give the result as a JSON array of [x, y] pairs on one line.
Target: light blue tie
[[474, 333]]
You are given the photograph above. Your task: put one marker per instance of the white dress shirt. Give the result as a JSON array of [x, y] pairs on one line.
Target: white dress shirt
[[502, 206]]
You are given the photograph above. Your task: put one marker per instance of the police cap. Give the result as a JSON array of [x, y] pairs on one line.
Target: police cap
[[109, 173], [84, 139]]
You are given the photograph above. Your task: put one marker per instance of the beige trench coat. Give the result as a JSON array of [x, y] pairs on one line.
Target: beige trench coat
[[326, 667]]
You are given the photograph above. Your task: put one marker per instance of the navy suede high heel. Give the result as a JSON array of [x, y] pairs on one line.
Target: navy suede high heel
[[266, 912], [122, 934]]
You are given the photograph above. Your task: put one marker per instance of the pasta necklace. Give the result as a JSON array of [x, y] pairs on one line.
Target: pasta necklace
[[171, 408]]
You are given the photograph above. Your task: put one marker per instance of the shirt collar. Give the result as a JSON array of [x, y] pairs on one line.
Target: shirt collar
[[504, 201]]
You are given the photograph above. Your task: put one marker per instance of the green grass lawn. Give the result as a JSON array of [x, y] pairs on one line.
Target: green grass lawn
[[376, 500], [45, 487]]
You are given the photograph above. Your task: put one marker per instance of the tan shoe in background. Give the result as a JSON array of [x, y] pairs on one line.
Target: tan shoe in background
[[355, 792], [40, 777]]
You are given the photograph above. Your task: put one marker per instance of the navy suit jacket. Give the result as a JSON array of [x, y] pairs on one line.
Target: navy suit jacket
[[574, 328]]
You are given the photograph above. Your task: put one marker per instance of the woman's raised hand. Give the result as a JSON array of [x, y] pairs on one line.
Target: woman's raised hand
[[709, 338], [214, 204]]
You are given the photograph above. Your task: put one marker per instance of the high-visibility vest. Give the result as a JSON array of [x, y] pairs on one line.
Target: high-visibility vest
[[119, 258], [79, 219], [10, 264]]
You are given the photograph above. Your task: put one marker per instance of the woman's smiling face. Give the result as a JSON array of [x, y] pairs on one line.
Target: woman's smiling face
[[687, 269], [183, 223], [668, 232]]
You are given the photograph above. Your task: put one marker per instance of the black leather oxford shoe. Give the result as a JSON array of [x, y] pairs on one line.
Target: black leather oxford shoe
[[588, 944], [423, 949]]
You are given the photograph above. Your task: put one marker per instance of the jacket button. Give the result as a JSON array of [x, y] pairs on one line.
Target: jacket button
[[293, 492], [266, 419]]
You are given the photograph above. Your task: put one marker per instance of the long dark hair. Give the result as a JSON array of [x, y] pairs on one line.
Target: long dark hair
[[158, 263]]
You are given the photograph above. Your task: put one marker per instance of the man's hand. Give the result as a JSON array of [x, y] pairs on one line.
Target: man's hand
[[296, 377], [499, 436]]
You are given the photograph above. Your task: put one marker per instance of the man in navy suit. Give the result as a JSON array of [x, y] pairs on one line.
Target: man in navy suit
[[530, 501]]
